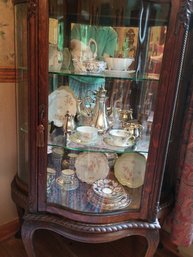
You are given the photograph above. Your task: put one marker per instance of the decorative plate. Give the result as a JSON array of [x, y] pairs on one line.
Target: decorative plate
[[108, 188], [107, 194], [130, 169], [91, 166], [61, 101]]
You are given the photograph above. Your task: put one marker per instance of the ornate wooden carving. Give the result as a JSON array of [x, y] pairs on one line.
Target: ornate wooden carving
[[93, 233], [185, 13], [32, 8], [93, 228]]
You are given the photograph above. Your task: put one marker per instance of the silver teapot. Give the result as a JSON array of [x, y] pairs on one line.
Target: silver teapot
[[100, 115], [93, 112]]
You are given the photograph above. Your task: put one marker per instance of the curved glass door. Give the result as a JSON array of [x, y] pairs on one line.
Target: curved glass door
[[104, 67], [22, 89]]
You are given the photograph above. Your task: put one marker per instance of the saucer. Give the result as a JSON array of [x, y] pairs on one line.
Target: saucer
[[118, 73], [75, 138], [109, 141]]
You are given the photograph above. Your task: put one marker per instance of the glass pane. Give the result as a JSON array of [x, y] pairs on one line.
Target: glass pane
[[104, 68], [22, 89]]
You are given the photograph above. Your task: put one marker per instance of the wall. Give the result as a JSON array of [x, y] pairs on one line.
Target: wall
[[8, 153]]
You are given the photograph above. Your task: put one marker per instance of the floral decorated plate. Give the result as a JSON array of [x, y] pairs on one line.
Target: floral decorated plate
[[130, 169], [108, 188], [107, 194], [61, 102], [91, 166]]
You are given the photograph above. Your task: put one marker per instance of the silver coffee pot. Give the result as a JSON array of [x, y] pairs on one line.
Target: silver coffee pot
[[100, 115]]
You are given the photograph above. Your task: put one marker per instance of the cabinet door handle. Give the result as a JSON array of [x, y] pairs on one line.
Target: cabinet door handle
[[40, 135], [41, 128]]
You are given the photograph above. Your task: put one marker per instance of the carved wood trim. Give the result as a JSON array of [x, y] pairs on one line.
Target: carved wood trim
[[185, 14], [92, 233], [7, 74], [92, 228]]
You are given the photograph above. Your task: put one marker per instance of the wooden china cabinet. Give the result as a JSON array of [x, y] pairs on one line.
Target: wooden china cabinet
[[97, 87]]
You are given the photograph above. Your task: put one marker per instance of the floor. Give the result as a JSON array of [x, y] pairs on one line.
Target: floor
[[52, 245]]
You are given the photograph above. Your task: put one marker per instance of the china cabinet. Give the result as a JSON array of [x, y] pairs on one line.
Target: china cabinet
[[97, 87]]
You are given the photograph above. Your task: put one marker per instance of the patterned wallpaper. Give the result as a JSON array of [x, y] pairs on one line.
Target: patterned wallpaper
[[6, 33]]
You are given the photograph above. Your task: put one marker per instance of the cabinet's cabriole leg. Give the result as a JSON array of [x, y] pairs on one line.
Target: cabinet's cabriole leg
[[153, 240], [27, 233]]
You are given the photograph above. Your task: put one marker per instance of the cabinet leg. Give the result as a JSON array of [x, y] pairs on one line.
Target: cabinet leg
[[27, 233], [20, 212], [153, 241]]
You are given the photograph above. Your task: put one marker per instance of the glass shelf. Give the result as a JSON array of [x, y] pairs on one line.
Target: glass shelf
[[102, 145], [125, 75]]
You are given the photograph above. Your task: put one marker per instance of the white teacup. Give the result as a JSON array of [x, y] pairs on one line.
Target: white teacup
[[68, 175], [87, 133], [121, 137], [118, 64]]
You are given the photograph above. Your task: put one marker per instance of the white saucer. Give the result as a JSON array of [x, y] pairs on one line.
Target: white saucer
[[109, 141], [75, 138], [119, 73]]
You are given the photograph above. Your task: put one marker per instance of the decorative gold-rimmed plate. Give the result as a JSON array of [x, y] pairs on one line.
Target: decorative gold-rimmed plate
[[91, 166], [61, 101], [107, 194], [129, 169], [108, 188]]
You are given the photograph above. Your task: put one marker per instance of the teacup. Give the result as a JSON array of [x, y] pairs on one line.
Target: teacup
[[90, 66], [87, 133], [68, 175], [121, 137], [101, 66]]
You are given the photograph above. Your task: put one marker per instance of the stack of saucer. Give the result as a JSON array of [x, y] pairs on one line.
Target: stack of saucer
[[107, 194]]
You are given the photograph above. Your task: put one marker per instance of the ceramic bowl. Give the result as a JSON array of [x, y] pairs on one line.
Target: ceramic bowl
[[119, 64]]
